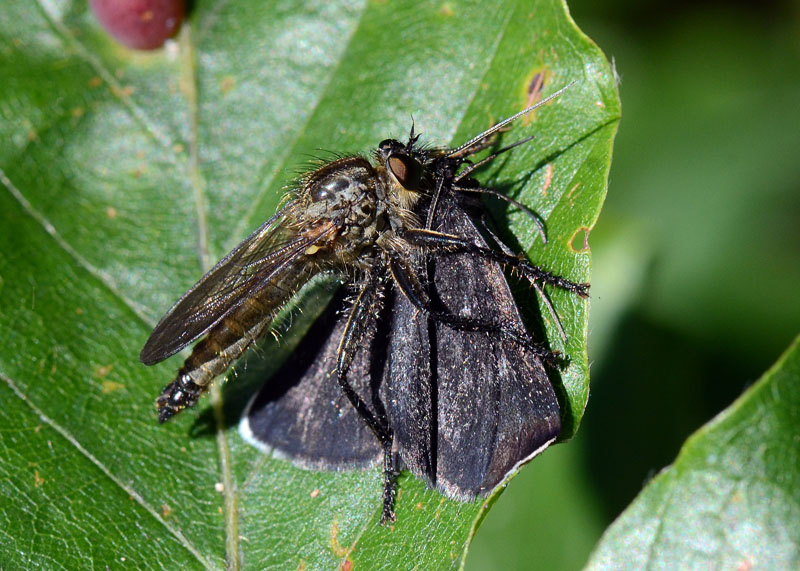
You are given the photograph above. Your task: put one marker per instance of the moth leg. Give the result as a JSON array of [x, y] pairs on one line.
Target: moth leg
[[437, 193], [497, 194], [454, 244], [413, 291], [472, 167], [365, 307]]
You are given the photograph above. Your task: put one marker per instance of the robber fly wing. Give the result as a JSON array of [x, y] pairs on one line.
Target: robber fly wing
[[224, 288]]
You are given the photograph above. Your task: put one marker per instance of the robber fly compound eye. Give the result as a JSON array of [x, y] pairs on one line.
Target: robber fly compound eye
[[407, 170]]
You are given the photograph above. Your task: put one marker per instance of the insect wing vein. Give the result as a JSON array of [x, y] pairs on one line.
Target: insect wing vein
[[243, 272]]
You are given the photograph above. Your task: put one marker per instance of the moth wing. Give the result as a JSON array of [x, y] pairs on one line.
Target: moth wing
[[466, 407], [408, 387], [301, 413], [240, 274]]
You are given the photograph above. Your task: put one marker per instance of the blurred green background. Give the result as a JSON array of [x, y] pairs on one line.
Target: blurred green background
[[696, 260]]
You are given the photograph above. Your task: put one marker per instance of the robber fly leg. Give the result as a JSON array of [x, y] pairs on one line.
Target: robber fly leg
[[367, 305], [410, 287], [438, 242]]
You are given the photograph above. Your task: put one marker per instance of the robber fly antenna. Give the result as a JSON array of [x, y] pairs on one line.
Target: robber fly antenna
[[459, 150]]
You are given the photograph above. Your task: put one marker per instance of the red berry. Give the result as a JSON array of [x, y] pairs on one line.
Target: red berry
[[139, 24]]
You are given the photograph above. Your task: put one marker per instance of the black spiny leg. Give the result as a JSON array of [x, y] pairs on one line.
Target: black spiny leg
[[454, 244], [410, 287], [364, 308]]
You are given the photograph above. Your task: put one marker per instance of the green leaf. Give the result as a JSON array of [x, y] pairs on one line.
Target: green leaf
[[125, 174], [731, 500]]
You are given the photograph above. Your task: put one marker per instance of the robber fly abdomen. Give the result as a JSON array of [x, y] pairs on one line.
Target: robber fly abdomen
[[225, 343]]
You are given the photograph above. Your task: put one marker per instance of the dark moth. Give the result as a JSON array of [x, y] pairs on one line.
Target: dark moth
[[423, 362]]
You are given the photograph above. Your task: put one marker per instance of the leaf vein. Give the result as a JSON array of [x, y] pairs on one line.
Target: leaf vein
[[48, 227], [89, 456]]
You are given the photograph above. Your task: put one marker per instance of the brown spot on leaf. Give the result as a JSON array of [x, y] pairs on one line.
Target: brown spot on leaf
[[582, 236], [101, 372], [446, 10], [123, 92], [548, 178], [38, 481], [336, 547], [139, 171], [227, 84], [533, 95], [111, 387], [438, 513]]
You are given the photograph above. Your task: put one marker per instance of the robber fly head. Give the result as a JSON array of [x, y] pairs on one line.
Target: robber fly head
[[402, 162]]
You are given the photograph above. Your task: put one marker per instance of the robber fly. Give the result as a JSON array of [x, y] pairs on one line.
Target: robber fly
[[377, 224]]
